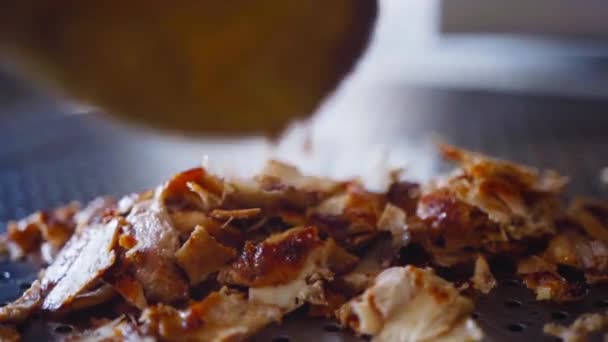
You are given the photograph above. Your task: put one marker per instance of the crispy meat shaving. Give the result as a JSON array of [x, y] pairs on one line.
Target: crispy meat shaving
[[519, 199], [117, 330], [482, 279], [411, 304], [78, 267], [280, 175], [543, 277], [93, 298], [394, 220], [202, 255], [580, 330], [194, 188], [222, 316], [43, 228], [592, 216], [351, 217], [572, 248], [221, 214], [152, 258], [189, 196], [88, 265], [280, 186], [131, 290], [22, 308]]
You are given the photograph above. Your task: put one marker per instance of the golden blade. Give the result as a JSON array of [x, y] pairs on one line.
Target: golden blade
[[220, 67]]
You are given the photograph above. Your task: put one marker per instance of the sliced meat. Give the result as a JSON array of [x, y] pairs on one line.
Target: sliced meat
[[288, 269], [95, 211], [131, 290], [22, 308], [189, 197], [192, 189], [483, 280], [309, 286], [92, 260], [544, 279], [152, 258], [523, 202], [350, 217], [202, 255], [222, 214], [52, 228], [92, 298], [592, 216], [581, 330], [280, 186], [450, 223], [78, 267], [117, 330], [411, 304], [572, 248], [280, 175], [394, 220], [222, 316]]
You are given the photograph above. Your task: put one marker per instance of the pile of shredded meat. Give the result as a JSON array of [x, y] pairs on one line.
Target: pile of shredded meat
[[212, 259]]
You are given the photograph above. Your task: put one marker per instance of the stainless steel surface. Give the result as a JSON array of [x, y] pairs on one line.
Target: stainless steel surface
[[46, 160]]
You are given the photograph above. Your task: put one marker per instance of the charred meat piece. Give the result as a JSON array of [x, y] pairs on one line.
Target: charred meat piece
[[277, 260]]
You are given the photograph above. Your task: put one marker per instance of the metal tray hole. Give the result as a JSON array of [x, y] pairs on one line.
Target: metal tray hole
[[24, 285], [475, 315], [516, 327], [512, 303], [63, 329], [332, 327], [281, 339], [559, 315]]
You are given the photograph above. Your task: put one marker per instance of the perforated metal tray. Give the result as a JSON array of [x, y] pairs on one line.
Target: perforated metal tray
[[48, 160]]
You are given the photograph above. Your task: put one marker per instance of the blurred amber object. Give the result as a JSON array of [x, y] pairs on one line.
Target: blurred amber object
[[200, 66]]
